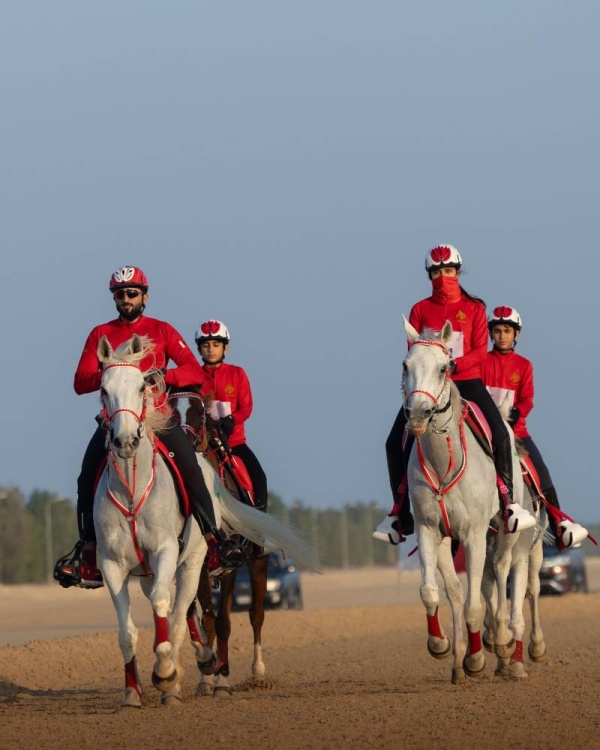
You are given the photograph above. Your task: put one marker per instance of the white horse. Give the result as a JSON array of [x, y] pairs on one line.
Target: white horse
[[520, 555], [452, 486], [139, 524], [138, 521]]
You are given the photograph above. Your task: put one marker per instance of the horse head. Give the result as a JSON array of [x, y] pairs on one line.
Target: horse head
[[127, 398], [426, 376], [189, 410]]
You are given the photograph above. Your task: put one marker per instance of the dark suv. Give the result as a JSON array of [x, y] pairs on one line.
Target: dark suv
[[564, 571], [284, 588]]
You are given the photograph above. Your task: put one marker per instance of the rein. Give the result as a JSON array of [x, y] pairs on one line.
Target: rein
[[436, 483], [132, 512]]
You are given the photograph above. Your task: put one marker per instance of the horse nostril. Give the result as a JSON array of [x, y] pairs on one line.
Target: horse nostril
[[135, 442], [117, 442]]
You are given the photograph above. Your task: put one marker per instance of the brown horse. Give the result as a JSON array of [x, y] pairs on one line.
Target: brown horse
[[214, 669]]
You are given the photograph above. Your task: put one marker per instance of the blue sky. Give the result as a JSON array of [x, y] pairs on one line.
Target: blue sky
[[284, 167]]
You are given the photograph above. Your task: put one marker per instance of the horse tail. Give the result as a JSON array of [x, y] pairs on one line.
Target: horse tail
[[267, 531]]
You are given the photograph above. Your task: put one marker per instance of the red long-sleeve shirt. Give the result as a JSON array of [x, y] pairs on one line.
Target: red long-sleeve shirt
[[469, 324], [230, 383], [169, 346], [510, 373]]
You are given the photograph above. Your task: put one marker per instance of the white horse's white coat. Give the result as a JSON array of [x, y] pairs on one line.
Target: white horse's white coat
[[470, 504]]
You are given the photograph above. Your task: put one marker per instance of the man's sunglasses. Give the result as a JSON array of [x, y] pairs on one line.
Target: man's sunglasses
[[129, 293]]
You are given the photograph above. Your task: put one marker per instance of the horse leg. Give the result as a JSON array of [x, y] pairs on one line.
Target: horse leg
[[205, 656], [116, 581], [504, 642], [513, 666], [164, 673], [188, 573], [257, 567], [488, 590], [474, 661], [438, 644], [537, 645], [454, 592], [223, 630]]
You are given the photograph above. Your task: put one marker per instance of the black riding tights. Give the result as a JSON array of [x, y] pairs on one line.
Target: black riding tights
[[185, 458], [471, 390], [257, 475]]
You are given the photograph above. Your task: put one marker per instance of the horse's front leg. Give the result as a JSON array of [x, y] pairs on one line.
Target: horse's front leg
[[164, 564], [490, 597], [116, 579], [475, 546], [206, 635], [257, 567], [504, 641], [513, 665], [537, 645], [454, 592], [223, 629], [438, 644]]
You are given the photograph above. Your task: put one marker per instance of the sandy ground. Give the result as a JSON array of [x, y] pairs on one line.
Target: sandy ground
[[350, 671]]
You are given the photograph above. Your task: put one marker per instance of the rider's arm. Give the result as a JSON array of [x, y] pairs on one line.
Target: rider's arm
[[88, 373], [524, 395], [243, 405], [476, 346], [187, 371]]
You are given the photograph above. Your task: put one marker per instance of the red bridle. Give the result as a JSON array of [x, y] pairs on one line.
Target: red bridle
[[420, 390]]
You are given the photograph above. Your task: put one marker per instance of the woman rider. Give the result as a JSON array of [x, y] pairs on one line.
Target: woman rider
[[468, 346]]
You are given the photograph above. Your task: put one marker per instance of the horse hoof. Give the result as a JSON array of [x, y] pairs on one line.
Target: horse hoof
[[222, 692], [163, 683], [445, 644], [203, 690], [505, 651], [518, 671], [537, 654], [458, 676], [131, 699], [473, 671], [488, 642], [208, 667], [170, 700]]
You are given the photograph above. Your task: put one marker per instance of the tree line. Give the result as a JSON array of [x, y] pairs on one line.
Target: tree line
[[36, 531]]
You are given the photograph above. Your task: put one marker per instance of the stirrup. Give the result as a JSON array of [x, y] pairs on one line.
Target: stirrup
[[386, 531], [67, 570], [569, 534], [517, 518]]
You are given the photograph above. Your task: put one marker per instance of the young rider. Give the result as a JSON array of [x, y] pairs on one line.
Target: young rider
[[229, 388], [129, 287], [468, 345], [506, 372]]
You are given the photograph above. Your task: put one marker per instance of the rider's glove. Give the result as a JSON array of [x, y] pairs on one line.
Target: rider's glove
[[514, 415], [227, 424], [452, 366], [151, 376]]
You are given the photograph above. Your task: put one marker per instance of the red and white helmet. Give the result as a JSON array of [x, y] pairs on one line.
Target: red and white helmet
[[212, 329], [128, 276], [505, 315], [442, 256]]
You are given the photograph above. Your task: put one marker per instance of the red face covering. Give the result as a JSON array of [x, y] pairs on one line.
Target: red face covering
[[446, 289]]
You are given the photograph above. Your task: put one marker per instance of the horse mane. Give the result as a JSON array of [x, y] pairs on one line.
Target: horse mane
[[158, 412]]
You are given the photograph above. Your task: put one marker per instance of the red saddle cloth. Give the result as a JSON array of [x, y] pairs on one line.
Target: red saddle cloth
[[184, 501], [479, 425]]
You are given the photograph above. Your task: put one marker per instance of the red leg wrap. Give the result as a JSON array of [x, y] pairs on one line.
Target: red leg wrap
[[433, 625], [161, 625], [474, 643], [518, 653], [131, 677], [193, 629]]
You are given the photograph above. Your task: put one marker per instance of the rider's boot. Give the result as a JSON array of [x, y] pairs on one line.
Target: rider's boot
[[516, 518], [567, 532], [223, 554], [400, 523], [79, 568]]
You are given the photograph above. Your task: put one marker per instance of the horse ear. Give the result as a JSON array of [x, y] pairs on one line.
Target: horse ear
[[135, 344], [446, 332], [411, 332], [105, 350]]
